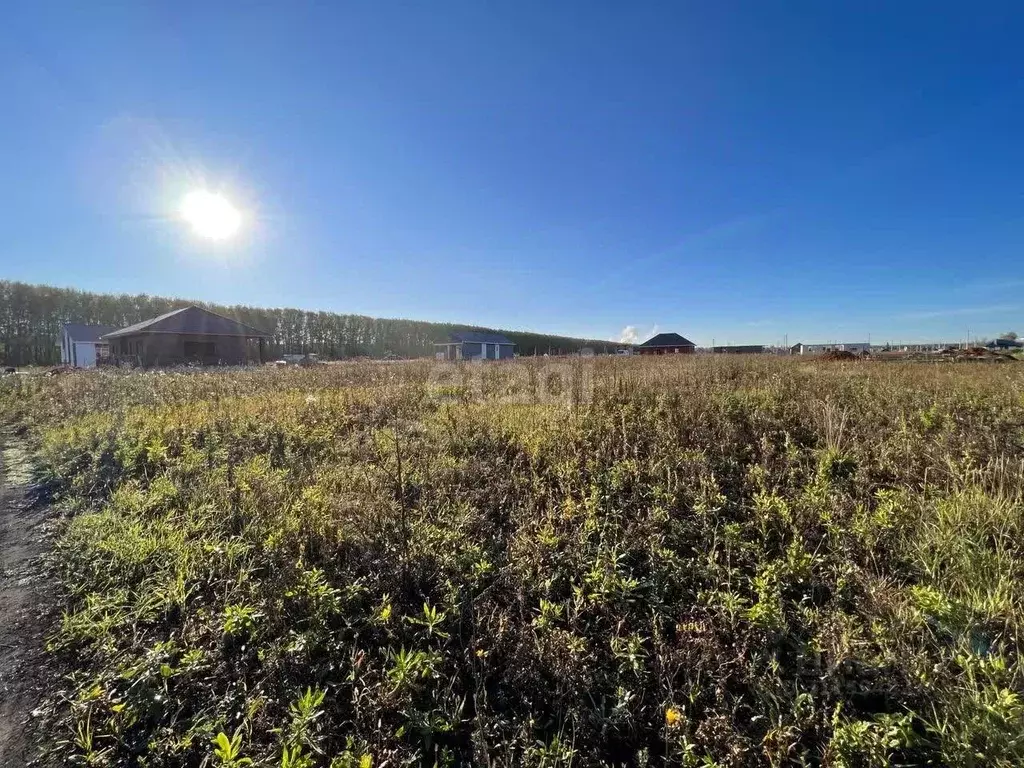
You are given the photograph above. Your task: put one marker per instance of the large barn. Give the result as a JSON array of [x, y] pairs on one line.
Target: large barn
[[666, 344], [191, 335]]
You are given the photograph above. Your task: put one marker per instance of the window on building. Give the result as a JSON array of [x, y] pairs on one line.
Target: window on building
[[200, 350]]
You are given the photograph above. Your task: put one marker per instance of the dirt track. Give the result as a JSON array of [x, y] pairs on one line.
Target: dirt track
[[23, 615]]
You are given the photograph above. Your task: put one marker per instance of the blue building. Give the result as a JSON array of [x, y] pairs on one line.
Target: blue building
[[475, 345]]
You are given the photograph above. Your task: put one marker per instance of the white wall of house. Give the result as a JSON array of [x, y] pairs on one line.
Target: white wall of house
[[820, 349], [81, 354], [858, 348], [85, 354]]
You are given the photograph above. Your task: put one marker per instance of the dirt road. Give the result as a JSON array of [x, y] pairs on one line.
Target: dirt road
[[23, 612]]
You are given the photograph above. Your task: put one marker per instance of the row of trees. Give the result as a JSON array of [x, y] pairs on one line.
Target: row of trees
[[32, 316]]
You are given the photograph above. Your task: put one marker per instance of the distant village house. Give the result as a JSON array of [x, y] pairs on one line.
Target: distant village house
[[856, 348], [475, 345], [191, 335], [1004, 343], [666, 344]]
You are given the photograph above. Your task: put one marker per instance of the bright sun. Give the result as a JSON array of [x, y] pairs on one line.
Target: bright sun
[[210, 215]]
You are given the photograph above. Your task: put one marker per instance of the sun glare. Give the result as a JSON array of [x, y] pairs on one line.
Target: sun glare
[[210, 215]]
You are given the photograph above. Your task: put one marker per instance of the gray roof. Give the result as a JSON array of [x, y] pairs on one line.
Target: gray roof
[[667, 340], [478, 337], [190, 320], [82, 332]]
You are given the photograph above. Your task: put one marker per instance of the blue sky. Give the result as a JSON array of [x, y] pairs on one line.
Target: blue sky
[[729, 171]]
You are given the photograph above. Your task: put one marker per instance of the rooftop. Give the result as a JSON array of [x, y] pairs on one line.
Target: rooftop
[[191, 320], [82, 332], [667, 340], [478, 337]]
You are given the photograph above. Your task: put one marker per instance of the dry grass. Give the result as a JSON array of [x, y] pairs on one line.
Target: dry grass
[[713, 562]]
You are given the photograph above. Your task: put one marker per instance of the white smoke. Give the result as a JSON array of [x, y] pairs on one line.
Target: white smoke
[[627, 335], [632, 334]]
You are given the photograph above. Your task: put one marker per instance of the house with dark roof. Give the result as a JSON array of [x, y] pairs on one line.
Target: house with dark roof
[[82, 346], [190, 335], [475, 345], [666, 344], [1005, 344]]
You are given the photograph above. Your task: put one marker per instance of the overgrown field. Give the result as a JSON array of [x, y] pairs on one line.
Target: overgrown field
[[700, 562]]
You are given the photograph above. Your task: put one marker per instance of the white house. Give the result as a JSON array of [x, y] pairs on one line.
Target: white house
[[82, 345], [857, 348]]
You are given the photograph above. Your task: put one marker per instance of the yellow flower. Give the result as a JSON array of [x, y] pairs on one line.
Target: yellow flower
[[672, 716]]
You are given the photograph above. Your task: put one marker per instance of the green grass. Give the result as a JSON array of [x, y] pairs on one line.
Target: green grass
[[709, 563]]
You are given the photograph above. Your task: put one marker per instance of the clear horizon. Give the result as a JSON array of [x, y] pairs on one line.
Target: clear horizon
[[728, 171]]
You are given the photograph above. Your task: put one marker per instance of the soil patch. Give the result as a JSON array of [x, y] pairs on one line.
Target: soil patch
[[25, 614]]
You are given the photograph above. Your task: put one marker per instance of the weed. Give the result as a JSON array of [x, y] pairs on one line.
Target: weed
[[706, 563]]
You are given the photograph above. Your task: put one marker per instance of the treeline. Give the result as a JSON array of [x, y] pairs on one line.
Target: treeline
[[32, 317]]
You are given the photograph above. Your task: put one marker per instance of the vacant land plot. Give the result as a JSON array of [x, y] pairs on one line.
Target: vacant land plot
[[697, 562]]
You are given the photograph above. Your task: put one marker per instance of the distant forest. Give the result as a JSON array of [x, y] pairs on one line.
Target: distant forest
[[31, 318]]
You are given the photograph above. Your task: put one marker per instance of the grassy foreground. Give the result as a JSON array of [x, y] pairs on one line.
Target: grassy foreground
[[700, 562]]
